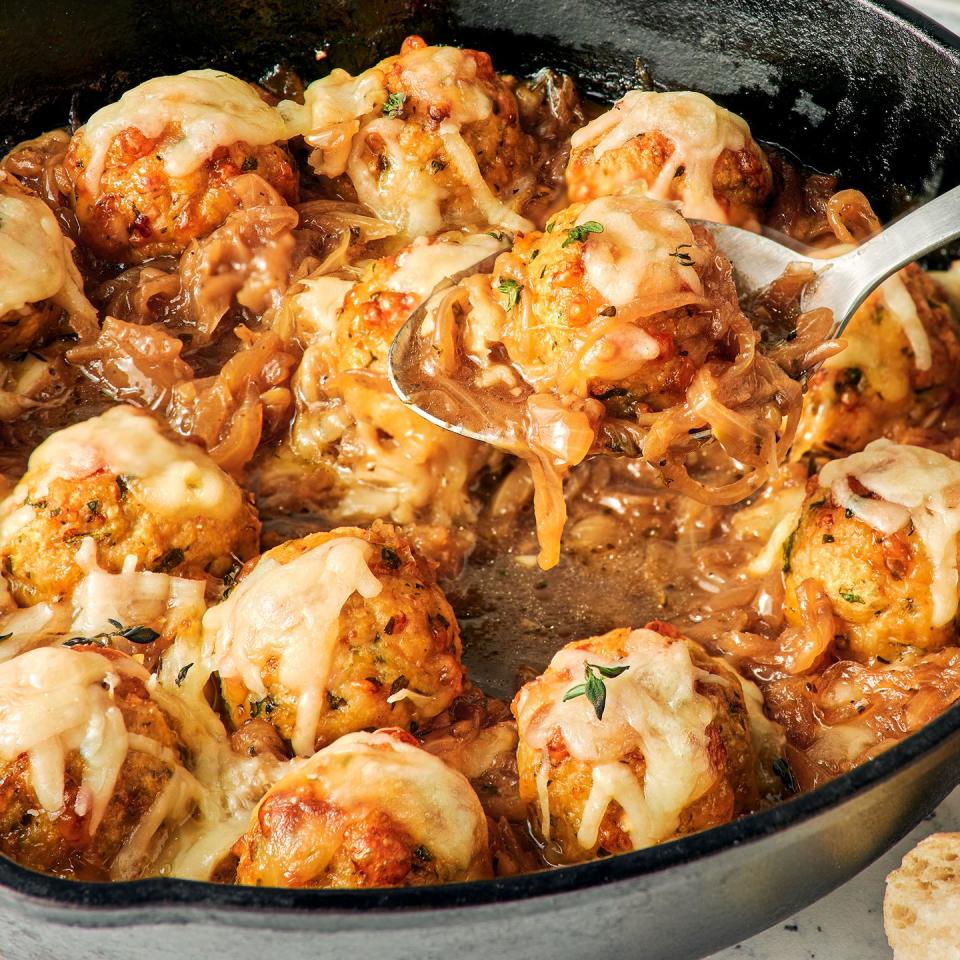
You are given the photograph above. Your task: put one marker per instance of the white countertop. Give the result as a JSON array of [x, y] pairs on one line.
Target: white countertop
[[848, 923]]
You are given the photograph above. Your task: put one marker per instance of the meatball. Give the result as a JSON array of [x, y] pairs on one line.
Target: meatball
[[153, 171], [113, 487], [40, 285], [877, 537], [333, 633], [371, 810], [427, 139], [371, 457], [900, 363], [673, 146], [630, 739], [625, 325], [91, 765]]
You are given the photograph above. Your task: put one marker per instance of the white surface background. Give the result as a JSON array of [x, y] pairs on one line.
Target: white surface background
[[848, 924]]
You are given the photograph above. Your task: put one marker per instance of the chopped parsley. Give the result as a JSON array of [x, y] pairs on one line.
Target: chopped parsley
[[265, 706], [681, 255], [394, 105], [594, 689], [182, 674], [511, 290], [788, 550], [851, 597], [578, 234]]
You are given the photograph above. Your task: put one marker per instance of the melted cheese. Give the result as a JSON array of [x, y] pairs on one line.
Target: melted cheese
[[202, 109], [36, 262], [56, 701], [423, 264], [446, 77], [176, 480], [31, 627], [913, 485], [434, 803], [167, 604], [330, 115], [901, 305], [630, 263], [315, 306], [699, 129], [652, 707], [290, 613]]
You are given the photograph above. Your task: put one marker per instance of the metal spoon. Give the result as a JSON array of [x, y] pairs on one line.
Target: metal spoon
[[840, 284]]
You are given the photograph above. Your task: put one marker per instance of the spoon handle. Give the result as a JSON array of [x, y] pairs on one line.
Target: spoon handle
[[918, 233]]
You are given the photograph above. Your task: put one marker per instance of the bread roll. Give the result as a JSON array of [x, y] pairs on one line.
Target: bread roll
[[921, 909]]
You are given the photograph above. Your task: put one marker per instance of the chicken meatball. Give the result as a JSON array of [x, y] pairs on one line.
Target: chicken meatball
[[371, 810], [371, 457], [427, 139], [624, 324], [92, 771], [113, 487], [900, 363], [40, 286], [630, 739], [877, 537], [673, 146], [153, 171], [334, 633]]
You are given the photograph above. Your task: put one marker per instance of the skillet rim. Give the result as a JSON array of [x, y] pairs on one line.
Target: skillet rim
[[168, 892]]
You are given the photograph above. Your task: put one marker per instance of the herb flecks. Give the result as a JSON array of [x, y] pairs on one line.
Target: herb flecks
[[182, 674], [851, 597], [266, 706], [579, 233], [393, 107], [511, 290], [390, 557], [594, 689], [681, 255]]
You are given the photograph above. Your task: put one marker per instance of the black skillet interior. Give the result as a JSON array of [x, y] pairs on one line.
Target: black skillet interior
[[866, 90]]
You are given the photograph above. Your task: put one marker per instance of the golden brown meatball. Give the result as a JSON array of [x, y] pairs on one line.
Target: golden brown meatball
[[153, 171], [333, 633], [40, 285], [630, 739], [355, 452], [91, 765], [900, 362], [877, 538], [622, 324], [673, 146], [117, 486], [371, 810], [427, 139]]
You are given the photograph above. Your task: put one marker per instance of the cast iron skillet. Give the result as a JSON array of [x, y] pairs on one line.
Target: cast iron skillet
[[870, 90]]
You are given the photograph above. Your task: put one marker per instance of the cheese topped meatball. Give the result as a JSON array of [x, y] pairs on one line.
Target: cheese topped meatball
[[113, 487], [877, 538], [427, 139], [153, 171], [623, 322], [371, 810], [92, 767], [899, 364], [630, 739], [673, 146], [333, 633], [371, 456], [40, 285]]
